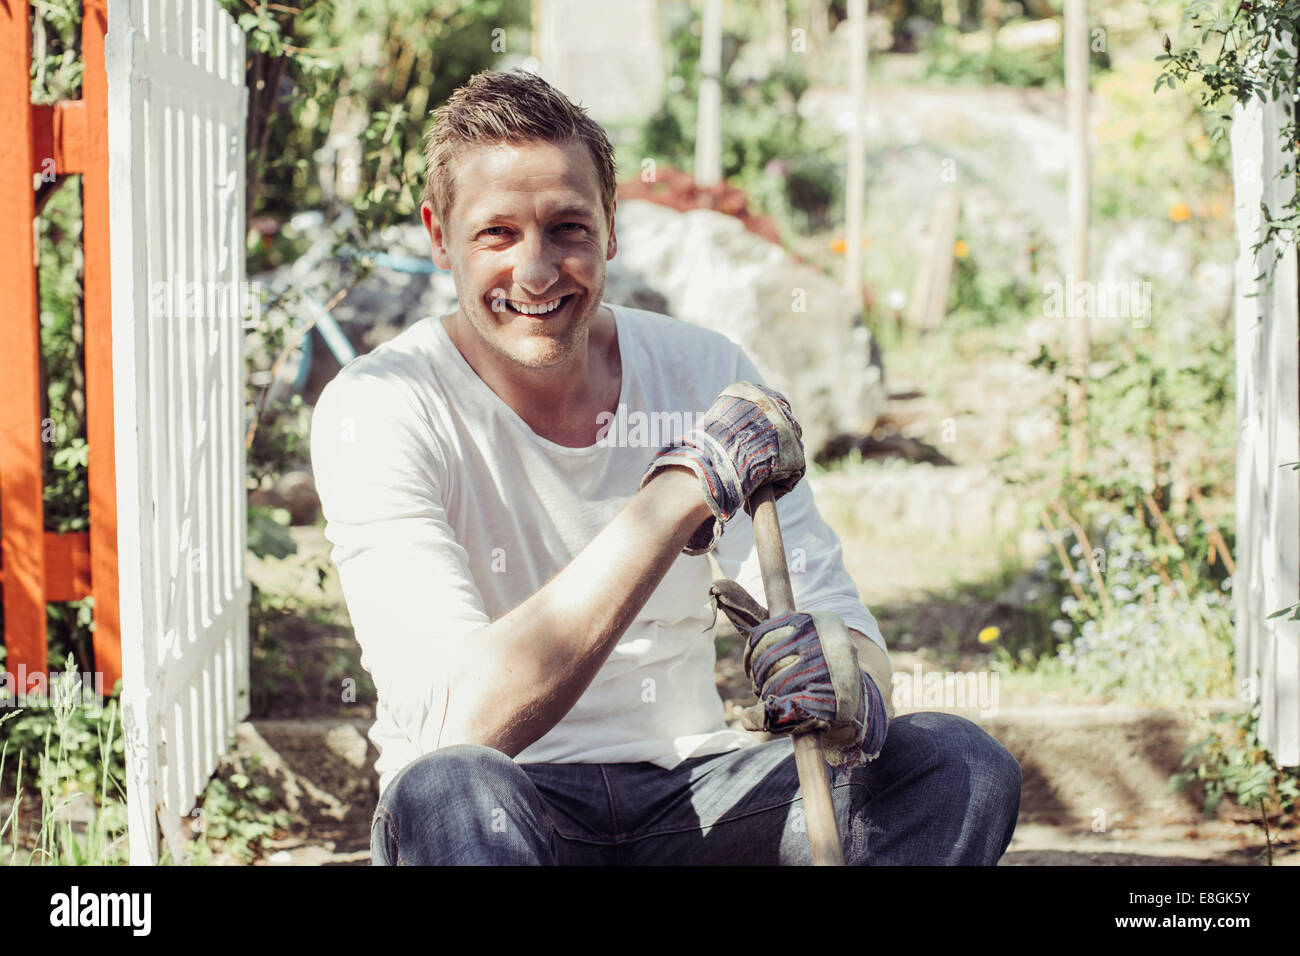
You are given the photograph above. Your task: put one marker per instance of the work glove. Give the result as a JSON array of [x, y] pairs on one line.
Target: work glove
[[747, 439], [805, 673]]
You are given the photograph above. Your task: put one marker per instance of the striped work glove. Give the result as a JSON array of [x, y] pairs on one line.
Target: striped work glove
[[805, 673], [747, 439]]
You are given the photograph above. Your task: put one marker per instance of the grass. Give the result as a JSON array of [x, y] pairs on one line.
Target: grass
[[57, 841]]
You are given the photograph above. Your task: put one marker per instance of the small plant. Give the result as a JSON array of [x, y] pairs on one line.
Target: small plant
[[238, 815], [1230, 761]]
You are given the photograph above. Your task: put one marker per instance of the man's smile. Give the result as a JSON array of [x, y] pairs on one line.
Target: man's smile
[[539, 310]]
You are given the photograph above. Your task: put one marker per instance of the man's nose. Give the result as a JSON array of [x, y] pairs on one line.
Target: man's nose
[[536, 267]]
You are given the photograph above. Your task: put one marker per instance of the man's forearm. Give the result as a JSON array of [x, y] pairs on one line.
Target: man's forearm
[[517, 678]]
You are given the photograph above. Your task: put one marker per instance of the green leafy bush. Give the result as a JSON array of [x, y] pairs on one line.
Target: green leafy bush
[[1136, 587], [981, 295], [322, 73], [1239, 53], [76, 728], [790, 169], [948, 60]]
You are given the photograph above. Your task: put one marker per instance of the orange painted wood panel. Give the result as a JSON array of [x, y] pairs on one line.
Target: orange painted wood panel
[[67, 566], [22, 539], [102, 476], [59, 134]]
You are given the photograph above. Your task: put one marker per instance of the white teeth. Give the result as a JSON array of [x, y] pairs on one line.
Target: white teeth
[[536, 309]]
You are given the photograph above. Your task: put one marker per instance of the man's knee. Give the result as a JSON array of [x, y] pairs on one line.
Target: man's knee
[[952, 744], [449, 771], [464, 803]]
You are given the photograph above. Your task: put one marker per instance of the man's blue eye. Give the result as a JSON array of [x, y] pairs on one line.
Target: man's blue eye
[[490, 228]]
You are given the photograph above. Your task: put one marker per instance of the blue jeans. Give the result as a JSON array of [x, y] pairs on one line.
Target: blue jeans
[[942, 791]]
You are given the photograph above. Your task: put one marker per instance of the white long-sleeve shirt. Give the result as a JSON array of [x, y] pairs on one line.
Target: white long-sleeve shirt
[[445, 511]]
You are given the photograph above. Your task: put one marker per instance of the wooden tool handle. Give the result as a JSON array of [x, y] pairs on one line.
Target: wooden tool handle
[[819, 812]]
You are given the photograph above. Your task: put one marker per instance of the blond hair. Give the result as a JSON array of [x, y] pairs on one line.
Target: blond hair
[[513, 107]]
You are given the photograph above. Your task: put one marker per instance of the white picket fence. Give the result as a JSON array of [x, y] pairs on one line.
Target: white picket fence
[[177, 104], [1267, 576]]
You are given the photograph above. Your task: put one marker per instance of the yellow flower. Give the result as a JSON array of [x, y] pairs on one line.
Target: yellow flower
[[960, 249], [838, 246], [990, 634], [1180, 212]]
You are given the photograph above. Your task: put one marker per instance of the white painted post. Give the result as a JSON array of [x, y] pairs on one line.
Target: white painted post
[[1267, 575], [708, 128], [1080, 338], [855, 195]]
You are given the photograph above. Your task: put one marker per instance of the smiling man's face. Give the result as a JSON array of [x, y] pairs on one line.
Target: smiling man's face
[[526, 231]]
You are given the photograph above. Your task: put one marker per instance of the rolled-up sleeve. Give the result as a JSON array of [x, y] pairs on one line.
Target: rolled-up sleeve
[[406, 579]]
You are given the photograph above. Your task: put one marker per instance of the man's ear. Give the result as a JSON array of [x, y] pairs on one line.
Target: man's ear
[[441, 258], [611, 248]]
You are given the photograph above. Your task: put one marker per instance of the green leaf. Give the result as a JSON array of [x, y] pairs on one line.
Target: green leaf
[[268, 536]]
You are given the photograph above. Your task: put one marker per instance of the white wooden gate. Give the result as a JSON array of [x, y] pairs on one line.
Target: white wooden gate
[[176, 172], [1267, 575]]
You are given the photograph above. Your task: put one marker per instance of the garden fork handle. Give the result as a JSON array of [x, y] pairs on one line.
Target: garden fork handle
[[814, 782]]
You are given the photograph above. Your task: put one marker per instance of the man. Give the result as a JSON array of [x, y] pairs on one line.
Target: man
[[532, 596]]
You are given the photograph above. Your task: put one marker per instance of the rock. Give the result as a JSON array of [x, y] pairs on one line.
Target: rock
[[295, 491], [1030, 35]]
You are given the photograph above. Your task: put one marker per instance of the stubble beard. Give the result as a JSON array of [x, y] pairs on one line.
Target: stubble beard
[[538, 350]]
